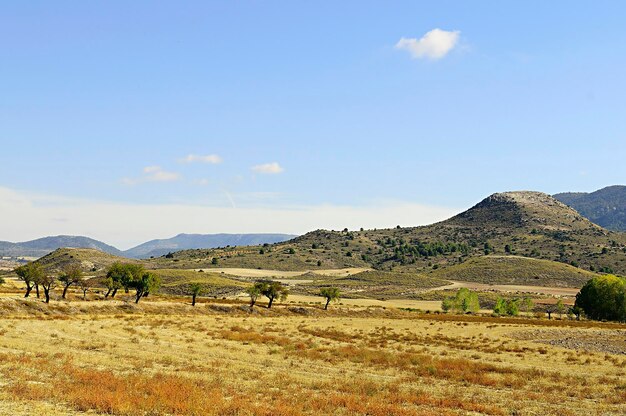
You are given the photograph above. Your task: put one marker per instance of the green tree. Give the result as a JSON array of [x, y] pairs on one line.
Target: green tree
[[122, 275], [70, 275], [506, 307], [214, 261], [31, 274], [463, 301], [527, 305], [254, 292], [603, 297], [273, 290], [560, 308], [332, 294], [196, 290], [144, 284]]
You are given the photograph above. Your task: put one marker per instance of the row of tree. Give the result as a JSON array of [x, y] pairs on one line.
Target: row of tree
[[132, 276]]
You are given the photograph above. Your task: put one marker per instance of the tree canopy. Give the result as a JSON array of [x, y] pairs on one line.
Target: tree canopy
[[603, 297], [464, 301]]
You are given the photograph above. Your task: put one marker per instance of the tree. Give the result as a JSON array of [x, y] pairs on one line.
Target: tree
[[84, 286], [70, 275], [121, 275], [464, 301], [560, 308], [603, 297], [48, 282], [144, 284], [254, 292], [332, 294], [273, 290], [214, 261], [31, 274], [195, 289], [506, 307], [527, 305]]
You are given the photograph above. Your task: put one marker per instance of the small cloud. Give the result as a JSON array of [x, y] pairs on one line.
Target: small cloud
[[433, 45], [268, 168], [212, 159], [153, 174]]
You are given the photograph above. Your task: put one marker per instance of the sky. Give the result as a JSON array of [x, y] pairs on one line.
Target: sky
[[127, 121]]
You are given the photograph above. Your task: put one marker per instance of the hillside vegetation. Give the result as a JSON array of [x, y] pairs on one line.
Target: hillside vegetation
[[514, 270], [529, 224], [605, 207]]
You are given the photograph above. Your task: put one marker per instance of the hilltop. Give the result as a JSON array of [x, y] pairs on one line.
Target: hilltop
[[605, 207], [529, 224], [42, 246]]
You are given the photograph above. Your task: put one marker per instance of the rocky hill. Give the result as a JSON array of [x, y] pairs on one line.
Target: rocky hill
[[529, 224]]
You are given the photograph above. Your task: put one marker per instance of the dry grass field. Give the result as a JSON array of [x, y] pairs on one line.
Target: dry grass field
[[165, 357]]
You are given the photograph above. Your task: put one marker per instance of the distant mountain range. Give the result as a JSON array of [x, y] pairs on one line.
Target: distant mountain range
[[42, 246], [156, 248], [605, 207]]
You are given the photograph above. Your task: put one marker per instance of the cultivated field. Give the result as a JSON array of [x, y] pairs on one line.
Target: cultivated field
[[217, 358]]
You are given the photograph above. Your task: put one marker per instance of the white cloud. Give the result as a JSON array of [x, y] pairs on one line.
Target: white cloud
[[28, 216], [212, 159], [268, 168], [433, 45], [153, 174]]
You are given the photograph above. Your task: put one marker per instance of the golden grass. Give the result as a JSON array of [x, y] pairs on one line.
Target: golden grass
[[162, 358]]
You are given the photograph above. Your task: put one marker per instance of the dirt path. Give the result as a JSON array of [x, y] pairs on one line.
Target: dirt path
[[556, 291]]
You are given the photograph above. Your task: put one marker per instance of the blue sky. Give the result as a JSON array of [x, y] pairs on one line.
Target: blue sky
[[312, 109]]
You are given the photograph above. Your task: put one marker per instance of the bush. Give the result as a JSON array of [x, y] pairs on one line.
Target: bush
[[506, 307], [603, 297], [464, 301]]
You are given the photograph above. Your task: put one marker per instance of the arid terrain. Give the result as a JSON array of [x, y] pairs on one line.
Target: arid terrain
[[165, 357]]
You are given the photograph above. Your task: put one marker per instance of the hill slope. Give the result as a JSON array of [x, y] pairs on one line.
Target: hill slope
[[529, 224], [45, 245], [160, 247], [605, 207]]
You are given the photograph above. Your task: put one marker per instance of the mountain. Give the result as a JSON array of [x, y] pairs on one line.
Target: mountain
[[42, 246], [605, 207], [156, 248], [527, 224]]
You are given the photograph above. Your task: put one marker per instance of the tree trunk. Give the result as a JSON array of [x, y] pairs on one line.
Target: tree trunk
[[65, 291], [252, 302], [327, 302], [47, 293], [108, 293], [549, 315], [28, 289], [37, 290], [138, 296], [113, 294], [84, 295], [193, 300], [270, 304]]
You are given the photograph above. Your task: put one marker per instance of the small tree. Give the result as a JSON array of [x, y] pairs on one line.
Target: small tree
[[31, 274], [143, 285], [506, 306], [464, 301], [527, 305], [83, 284], [254, 292], [195, 289], [70, 275], [332, 294], [274, 290], [560, 308], [48, 282]]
